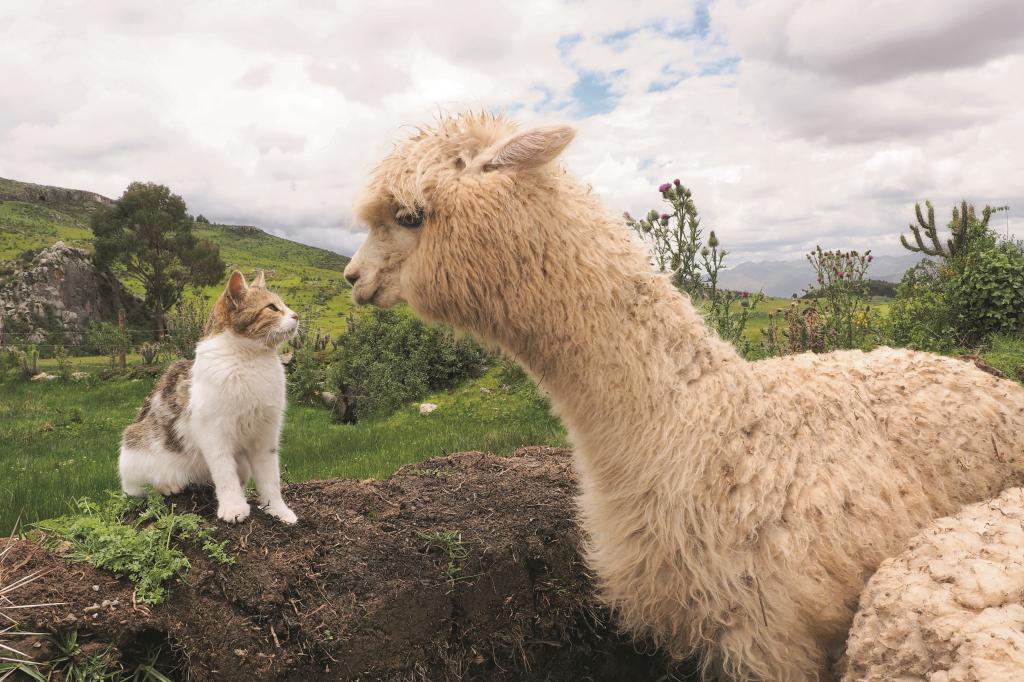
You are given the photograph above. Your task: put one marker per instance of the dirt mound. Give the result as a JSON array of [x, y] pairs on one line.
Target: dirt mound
[[463, 567]]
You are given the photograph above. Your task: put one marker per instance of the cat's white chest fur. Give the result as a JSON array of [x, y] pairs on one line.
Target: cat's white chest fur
[[236, 379]]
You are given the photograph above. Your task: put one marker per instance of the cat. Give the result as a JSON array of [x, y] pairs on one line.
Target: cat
[[217, 419]]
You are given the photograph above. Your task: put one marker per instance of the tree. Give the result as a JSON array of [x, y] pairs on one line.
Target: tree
[[147, 236]]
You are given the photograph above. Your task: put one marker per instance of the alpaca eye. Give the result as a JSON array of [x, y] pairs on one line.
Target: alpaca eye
[[409, 219], [273, 307]]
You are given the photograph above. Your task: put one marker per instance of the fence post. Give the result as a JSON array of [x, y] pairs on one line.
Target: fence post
[[121, 327]]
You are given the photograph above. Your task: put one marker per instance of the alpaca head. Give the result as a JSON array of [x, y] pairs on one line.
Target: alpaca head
[[454, 213]]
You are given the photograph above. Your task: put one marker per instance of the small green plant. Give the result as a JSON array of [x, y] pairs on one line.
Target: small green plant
[[28, 361], [452, 547], [133, 537], [149, 351], [63, 368]]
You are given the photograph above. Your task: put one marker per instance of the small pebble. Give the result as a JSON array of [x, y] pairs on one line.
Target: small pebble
[[95, 588]]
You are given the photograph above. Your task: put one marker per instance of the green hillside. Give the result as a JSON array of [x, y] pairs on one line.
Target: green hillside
[[34, 216]]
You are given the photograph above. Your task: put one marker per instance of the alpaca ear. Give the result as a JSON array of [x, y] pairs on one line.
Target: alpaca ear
[[528, 149], [236, 287], [259, 280]]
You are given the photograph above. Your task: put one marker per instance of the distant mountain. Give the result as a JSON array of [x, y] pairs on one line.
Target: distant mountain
[[788, 277], [32, 217]]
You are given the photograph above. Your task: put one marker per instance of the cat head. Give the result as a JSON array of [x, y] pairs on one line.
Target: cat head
[[253, 312]]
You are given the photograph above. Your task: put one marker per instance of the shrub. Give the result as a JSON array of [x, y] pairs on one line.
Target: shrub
[[106, 338], [305, 376], [389, 358], [920, 317], [987, 292], [185, 323]]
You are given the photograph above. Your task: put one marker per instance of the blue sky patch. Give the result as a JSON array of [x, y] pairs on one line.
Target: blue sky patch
[[593, 93]]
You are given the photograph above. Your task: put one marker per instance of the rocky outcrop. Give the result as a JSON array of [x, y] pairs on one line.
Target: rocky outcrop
[[13, 190], [57, 294]]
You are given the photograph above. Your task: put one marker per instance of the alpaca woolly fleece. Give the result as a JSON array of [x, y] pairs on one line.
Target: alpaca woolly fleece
[[733, 508], [951, 607]]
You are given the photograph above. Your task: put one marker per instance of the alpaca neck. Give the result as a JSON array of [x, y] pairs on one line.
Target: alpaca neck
[[610, 336]]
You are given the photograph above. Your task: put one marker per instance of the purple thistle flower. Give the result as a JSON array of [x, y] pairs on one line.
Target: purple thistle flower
[[871, 258], [744, 294], [665, 216], [627, 216], [676, 182], [664, 187], [841, 274]]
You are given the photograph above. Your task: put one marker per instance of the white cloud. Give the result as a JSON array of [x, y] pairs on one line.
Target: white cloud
[[794, 121]]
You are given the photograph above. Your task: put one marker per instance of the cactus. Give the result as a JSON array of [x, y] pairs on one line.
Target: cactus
[[964, 226]]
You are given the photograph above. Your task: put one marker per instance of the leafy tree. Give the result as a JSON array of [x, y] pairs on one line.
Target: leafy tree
[[147, 237]]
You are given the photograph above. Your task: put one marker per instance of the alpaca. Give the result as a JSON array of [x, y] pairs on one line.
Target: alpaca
[[734, 508], [951, 607]]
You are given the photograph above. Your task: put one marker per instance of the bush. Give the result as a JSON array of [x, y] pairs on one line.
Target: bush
[[389, 358], [305, 376], [987, 292], [920, 317], [185, 324]]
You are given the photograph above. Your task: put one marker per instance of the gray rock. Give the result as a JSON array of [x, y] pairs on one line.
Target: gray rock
[[59, 291]]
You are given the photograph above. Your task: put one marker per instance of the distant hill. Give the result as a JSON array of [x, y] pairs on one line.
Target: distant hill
[[33, 217], [785, 278]]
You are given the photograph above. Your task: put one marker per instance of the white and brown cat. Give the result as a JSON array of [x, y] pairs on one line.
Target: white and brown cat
[[218, 418]]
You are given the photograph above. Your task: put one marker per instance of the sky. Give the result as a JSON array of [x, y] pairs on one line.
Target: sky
[[794, 122]]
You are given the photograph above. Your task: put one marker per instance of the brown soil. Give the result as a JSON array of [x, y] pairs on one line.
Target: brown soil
[[355, 592]]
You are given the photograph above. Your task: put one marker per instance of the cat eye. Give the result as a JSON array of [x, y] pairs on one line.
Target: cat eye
[[410, 219], [273, 307]]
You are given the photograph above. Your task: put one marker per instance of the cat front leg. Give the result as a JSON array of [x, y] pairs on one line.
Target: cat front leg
[[266, 472], [220, 460]]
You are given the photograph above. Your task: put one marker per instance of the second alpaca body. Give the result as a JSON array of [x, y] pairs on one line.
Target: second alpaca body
[[218, 419]]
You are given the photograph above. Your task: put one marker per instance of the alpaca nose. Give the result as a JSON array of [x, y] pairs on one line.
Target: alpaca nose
[[352, 277]]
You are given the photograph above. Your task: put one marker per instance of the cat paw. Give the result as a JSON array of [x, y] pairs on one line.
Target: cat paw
[[233, 512], [282, 512]]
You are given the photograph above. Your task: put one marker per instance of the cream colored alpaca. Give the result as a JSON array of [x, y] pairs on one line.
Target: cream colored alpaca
[[734, 508]]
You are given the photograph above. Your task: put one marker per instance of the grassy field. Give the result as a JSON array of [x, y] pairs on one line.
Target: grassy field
[[59, 441]]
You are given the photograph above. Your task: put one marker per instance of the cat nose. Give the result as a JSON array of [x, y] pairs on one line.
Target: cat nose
[[294, 316]]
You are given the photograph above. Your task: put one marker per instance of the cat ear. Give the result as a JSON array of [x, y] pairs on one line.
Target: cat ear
[[236, 287], [259, 280], [527, 149]]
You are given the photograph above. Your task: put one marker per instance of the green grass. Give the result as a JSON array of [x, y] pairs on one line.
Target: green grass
[[59, 440], [1007, 355]]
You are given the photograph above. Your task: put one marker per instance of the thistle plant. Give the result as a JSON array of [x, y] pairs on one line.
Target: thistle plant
[[677, 246], [841, 296]]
